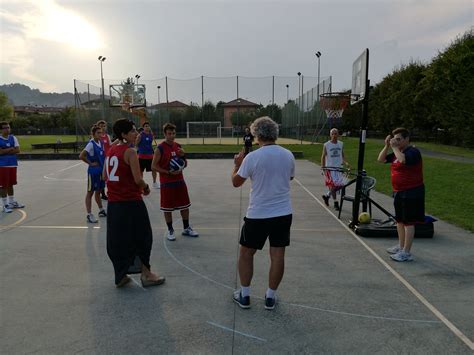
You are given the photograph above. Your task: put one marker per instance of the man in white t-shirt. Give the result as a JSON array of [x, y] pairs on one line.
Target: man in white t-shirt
[[333, 157], [269, 214]]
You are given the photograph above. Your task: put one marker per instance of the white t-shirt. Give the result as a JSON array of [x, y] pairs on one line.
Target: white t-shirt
[[89, 148], [270, 169], [334, 154]]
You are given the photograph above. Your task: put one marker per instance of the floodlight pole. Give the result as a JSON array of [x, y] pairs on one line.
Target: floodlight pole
[[101, 60], [362, 138], [299, 102], [287, 93], [202, 107], [158, 87]]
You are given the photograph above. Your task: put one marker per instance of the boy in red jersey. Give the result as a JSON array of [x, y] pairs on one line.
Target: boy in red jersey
[[174, 193], [129, 231], [408, 189]]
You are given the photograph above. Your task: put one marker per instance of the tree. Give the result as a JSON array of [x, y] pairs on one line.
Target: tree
[[6, 110]]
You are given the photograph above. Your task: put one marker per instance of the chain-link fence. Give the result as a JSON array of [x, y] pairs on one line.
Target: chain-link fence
[[223, 105]]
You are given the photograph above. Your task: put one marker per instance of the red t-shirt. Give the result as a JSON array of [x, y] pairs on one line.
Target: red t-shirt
[[106, 143], [120, 183], [167, 153], [409, 175]]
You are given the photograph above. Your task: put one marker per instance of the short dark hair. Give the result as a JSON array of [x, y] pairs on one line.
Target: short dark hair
[[122, 125], [4, 123], [169, 127], [144, 123], [402, 131], [94, 129]]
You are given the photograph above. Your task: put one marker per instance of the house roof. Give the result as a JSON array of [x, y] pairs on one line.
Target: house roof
[[171, 104], [240, 103]]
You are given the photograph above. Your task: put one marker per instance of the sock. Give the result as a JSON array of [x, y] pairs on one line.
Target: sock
[[245, 291], [270, 293], [185, 223], [4, 200], [11, 199], [170, 226]]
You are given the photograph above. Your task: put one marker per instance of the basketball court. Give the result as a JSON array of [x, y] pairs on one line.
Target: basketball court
[[340, 293]]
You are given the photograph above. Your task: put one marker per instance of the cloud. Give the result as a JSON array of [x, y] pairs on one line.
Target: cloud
[[25, 24]]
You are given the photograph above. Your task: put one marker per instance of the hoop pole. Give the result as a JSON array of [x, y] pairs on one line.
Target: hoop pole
[[202, 107], [362, 137]]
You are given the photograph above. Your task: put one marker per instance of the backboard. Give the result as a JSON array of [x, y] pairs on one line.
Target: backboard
[[131, 95], [360, 71]]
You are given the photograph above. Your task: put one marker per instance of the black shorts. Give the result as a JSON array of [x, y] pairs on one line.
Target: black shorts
[[256, 231], [410, 207], [145, 164]]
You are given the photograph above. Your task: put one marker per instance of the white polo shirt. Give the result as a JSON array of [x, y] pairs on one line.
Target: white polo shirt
[[270, 169]]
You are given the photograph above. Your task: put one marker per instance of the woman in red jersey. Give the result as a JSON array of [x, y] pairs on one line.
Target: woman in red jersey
[[129, 231]]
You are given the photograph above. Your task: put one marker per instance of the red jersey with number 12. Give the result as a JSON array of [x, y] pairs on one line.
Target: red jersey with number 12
[[120, 183]]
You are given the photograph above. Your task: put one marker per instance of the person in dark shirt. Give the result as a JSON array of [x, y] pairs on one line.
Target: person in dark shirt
[[248, 140], [408, 189]]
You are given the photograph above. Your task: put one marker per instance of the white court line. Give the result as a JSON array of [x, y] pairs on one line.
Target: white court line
[[59, 227], [235, 331], [70, 167], [47, 177], [295, 304], [417, 294], [23, 216], [139, 285]]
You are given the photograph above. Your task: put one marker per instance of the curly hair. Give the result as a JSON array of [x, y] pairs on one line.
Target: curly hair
[[265, 129]]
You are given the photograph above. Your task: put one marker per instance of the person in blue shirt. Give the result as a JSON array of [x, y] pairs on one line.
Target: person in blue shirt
[[93, 155], [9, 148], [144, 144]]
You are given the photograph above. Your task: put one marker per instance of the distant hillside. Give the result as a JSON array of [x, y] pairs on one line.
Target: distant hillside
[[22, 95]]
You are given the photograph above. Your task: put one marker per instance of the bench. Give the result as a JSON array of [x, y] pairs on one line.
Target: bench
[[57, 146]]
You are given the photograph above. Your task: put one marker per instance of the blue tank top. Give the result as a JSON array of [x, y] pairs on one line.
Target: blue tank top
[[145, 145], [8, 159], [97, 157]]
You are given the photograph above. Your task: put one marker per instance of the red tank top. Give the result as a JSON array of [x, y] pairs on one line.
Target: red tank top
[[120, 183], [167, 153], [105, 139]]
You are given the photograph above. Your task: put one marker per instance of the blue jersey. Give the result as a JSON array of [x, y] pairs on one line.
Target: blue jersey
[[8, 159], [145, 146], [98, 157]]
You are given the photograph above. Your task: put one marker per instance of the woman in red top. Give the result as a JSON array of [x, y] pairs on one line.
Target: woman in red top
[[129, 231]]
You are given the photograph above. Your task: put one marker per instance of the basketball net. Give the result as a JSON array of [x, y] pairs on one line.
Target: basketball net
[[334, 104]]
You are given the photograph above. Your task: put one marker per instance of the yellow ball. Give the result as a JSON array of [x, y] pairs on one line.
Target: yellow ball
[[364, 218]]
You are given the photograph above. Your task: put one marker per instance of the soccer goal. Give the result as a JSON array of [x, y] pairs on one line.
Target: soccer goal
[[226, 132], [196, 130]]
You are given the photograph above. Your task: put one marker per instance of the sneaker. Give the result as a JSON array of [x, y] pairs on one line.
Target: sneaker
[[402, 255], [188, 232], [336, 205], [156, 185], [102, 213], [394, 250], [91, 218], [7, 209], [170, 235], [243, 302], [270, 303], [326, 200], [15, 204], [104, 197]]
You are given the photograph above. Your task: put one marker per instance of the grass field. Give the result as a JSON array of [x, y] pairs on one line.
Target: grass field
[[448, 184]]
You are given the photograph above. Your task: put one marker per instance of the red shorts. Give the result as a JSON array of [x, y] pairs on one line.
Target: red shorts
[[7, 176], [174, 196]]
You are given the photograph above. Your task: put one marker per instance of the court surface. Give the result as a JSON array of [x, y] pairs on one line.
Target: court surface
[[340, 293]]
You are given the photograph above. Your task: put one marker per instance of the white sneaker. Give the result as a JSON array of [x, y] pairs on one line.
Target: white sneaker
[[91, 218], [402, 255], [15, 204], [393, 250], [188, 232], [170, 235], [7, 209], [156, 185]]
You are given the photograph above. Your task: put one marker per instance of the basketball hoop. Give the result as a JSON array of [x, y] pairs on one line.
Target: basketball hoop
[[334, 103]]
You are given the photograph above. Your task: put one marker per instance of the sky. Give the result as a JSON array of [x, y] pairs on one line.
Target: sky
[[46, 44]]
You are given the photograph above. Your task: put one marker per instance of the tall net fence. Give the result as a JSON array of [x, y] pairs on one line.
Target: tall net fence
[[224, 106]]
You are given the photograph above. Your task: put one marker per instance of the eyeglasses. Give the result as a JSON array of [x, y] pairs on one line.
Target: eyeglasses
[[5, 127]]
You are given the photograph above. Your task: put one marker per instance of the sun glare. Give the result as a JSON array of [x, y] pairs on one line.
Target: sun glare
[[58, 24]]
